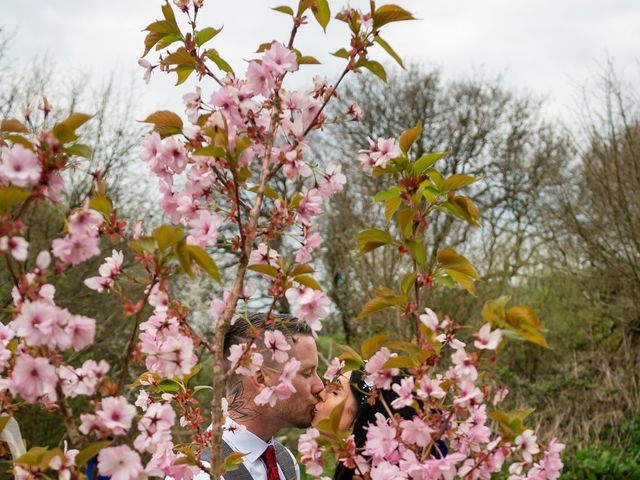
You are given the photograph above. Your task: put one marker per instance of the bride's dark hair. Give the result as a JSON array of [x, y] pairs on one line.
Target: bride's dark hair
[[367, 415]]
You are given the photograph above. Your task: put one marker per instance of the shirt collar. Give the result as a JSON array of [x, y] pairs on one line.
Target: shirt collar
[[243, 441]]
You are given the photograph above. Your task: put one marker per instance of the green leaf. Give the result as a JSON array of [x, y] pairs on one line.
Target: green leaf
[[389, 14], [164, 119], [393, 192], [102, 204], [213, 55], [371, 345], [13, 125], [405, 221], [457, 181], [206, 34], [426, 161], [90, 451], [389, 50], [493, 311], [150, 41], [444, 280], [308, 60], [526, 324], [20, 140], [307, 281], [169, 386], [391, 207], [183, 72], [4, 419], [182, 254], [79, 150], [204, 261], [144, 244], [169, 16], [368, 240], [451, 259], [210, 151], [400, 362], [11, 196], [407, 282], [511, 422], [39, 457], [352, 359], [374, 67], [284, 9], [302, 268], [416, 248], [322, 13], [342, 53], [166, 235], [464, 208], [65, 131], [179, 57], [380, 303], [163, 27], [269, 270], [464, 280], [408, 138], [232, 462], [167, 40]]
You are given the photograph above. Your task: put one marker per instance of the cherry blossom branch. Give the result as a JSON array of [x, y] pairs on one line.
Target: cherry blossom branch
[[134, 334], [67, 415]]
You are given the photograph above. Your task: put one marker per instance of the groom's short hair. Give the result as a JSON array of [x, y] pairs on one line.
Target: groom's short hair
[[244, 328]]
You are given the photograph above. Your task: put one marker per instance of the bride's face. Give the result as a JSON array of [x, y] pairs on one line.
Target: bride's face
[[332, 396]]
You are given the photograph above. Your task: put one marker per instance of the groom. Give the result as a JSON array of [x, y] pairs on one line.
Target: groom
[[267, 459]]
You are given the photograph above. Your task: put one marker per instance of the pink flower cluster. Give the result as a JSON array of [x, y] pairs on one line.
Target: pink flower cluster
[[283, 389], [168, 351], [451, 410], [379, 153], [82, 241], [309, 305], [109, 272]]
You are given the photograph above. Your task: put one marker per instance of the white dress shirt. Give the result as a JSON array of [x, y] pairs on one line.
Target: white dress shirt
[[243, 441]]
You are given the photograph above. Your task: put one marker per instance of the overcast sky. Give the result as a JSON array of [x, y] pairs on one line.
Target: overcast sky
[[544, 46]]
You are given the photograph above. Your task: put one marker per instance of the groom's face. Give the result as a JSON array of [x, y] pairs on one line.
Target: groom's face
[[298, 410]]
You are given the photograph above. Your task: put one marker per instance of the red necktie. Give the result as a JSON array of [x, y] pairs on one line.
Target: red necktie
[[269, 458]]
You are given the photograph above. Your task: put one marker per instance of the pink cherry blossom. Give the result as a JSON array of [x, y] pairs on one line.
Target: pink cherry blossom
[[376, 373], [168, 351], [430, 388], [204, 229], [52, 186], [19, 166], [381, 439], [264, 255], [309, 305], [155, 427], [33, 377], [386, 471], [333, 182], [17, 246], [75, 249], [260, 79], [41, 323], [283, 389], [247, 361], [120, 463], [192, 103], [451, 340], [310, 205], [116, 414], [335, 369], [311, 242], [486, 339], [311, 452], [81, 330], [109, 272], [148, 68], [43, 260], [280, 59], [416, 431], [527, 444], [430, 319], [405, 393], [85, 222], [356, 112], [64, 463], [275, 341]]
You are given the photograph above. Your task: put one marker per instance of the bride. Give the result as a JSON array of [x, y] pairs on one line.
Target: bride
[[359, 411]]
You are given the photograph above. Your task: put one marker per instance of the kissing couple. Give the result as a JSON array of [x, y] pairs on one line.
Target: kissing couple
[[251, 426]]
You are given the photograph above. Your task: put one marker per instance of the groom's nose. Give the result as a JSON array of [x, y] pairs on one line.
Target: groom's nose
[[317, 385]]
